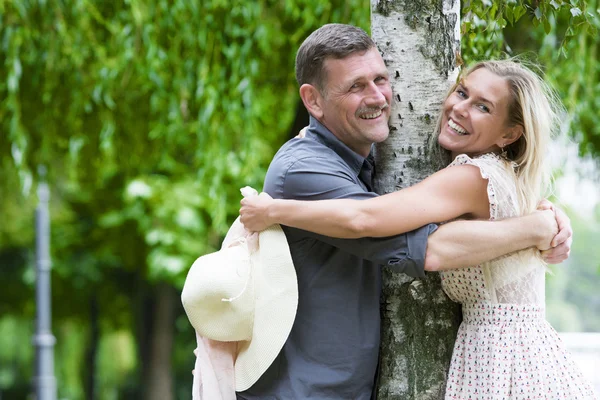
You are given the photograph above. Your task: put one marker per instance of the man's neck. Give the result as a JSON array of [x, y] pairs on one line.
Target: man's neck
[[363, 152]]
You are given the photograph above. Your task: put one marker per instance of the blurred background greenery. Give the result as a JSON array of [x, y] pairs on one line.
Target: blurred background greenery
[[150, 115]]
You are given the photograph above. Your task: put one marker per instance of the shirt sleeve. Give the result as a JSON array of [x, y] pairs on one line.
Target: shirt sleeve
[[321, 178]]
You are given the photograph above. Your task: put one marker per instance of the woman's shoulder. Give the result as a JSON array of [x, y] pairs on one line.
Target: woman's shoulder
[[501, 176], [487, 162], [481, 158]]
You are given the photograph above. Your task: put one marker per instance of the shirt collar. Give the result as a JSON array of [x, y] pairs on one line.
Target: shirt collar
[[320, 133]]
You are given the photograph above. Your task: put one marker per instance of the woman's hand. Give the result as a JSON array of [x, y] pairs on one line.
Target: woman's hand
[[254, 213], [560, 247], [547, 227]]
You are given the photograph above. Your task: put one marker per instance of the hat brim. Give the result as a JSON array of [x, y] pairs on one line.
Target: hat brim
[[276, 288]]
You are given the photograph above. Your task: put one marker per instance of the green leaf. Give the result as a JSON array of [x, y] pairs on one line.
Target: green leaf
[[493, 10], [569, 32], [519, 11], [509, 14], [547, 26]]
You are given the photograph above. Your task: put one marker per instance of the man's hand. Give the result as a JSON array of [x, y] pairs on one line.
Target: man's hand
[[254, 213], [560, 246]]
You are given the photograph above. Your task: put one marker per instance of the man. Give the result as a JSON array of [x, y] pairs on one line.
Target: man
[[332, 350]]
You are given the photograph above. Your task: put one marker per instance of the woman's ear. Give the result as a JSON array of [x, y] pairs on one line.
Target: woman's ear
[[312, 99], [512, 135]]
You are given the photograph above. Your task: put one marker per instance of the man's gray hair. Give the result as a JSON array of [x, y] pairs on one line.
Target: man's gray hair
[[329, 41]]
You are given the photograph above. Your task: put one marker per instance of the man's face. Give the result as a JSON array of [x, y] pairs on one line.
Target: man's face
[[357, 98]]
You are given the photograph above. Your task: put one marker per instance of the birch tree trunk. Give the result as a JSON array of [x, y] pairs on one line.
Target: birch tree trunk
[[419, 40]]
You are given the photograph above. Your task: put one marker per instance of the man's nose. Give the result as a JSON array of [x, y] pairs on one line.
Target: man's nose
[[376, 95]]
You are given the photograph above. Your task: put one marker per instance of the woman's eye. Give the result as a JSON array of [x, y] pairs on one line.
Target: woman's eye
[[483, 108], [461, 93]]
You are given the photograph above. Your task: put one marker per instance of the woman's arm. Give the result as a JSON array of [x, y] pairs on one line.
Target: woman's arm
[[454, 192], [463, 243]]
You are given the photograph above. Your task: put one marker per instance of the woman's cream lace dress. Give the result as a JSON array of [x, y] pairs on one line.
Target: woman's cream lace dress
[[505, 349]]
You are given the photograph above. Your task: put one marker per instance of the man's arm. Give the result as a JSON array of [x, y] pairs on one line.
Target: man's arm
[[463, 243], [319, 178]]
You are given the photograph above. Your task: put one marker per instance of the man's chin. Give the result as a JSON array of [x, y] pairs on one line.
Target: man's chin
[[382, 130], [380, 136]]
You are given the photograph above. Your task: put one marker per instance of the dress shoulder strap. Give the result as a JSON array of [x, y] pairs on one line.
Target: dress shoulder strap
[[501, 188]]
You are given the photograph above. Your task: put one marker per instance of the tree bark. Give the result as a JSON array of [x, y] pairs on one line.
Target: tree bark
[[160, 382], [143, 312], [419, 40], [91, 352]]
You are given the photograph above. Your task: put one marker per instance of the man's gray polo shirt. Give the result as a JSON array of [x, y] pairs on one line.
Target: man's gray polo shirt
[[333, 348]]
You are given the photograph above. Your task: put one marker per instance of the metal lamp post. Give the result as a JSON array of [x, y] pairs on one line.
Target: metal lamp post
[[44, 381]]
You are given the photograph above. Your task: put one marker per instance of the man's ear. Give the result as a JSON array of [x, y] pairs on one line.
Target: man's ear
[[512, 135], [312, 99]]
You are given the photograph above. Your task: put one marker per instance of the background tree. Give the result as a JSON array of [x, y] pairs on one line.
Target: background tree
[[150, 116], [561, 36]]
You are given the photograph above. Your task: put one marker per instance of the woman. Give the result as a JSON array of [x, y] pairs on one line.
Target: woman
[[495, 124]]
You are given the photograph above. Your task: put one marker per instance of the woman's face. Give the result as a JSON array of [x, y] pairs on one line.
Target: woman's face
[[475, 115]]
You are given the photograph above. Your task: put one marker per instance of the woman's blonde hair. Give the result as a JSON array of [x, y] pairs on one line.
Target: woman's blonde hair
[[534, 106]]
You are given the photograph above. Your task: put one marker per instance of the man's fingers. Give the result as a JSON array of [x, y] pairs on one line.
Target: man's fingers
[[545, 205], [556, 260], [561, 237], [564, 236], [557, 254], [565, 232]]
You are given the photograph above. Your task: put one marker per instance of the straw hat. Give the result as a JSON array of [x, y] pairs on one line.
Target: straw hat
[[246, 295]]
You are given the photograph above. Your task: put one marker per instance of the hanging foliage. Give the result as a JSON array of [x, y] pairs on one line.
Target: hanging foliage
[[148, 116], [164, 109], [561, 35]]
